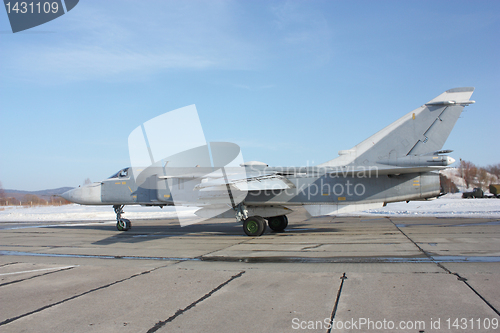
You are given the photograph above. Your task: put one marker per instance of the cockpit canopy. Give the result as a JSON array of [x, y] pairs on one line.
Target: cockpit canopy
[[123, 173]]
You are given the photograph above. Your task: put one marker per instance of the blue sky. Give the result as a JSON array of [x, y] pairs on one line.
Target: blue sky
[[291, 82]]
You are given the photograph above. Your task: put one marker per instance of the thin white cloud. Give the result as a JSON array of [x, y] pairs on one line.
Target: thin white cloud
[[120, 40], [99, 43], [303, 26]]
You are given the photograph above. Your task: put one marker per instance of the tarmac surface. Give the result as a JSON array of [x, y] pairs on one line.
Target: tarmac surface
[[361, 274]]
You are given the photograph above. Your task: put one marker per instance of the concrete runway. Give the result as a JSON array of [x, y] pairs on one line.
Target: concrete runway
[[361, 274]]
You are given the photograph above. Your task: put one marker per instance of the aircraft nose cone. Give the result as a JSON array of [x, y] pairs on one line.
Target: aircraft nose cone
[[85, 195], [451, 160], [66, 195]]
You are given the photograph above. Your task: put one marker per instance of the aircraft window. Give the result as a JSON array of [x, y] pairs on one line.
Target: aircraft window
[[114, 176], [120, 174]]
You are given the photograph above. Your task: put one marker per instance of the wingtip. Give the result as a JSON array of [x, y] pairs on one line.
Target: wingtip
[[462, 89]]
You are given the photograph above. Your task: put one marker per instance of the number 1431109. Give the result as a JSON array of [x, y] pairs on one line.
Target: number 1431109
[[32, 7]]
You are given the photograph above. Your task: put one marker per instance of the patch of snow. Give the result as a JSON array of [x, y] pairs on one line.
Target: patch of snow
[[75, 212], [454, 175], [449, 205]]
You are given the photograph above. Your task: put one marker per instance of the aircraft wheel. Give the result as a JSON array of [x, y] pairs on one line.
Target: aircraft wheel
[[254, 226], [123, 225], [278, 223]]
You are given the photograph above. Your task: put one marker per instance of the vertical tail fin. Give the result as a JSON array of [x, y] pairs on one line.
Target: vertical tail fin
[[420, 132]]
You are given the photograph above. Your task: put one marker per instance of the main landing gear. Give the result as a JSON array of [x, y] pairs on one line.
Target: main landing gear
[[278, 223], [121, 224], [256, 225]]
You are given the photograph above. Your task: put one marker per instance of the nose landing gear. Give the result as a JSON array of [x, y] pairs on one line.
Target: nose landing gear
[[121, 224]]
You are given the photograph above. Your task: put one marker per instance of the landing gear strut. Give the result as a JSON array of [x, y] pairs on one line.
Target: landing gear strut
[[252, 225], [121, 224]]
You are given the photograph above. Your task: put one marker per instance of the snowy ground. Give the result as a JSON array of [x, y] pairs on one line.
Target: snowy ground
[[76, 212], [450, 205]]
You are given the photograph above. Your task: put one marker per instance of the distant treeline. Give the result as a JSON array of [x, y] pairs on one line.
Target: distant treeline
[[476, 176], [29, 199], [473, 176]]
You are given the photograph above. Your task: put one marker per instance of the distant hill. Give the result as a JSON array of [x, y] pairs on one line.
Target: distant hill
[[454, 175], [43, 194]]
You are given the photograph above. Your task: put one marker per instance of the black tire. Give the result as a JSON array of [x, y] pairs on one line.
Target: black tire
[[254, 226], [123, 225], [278, 223]]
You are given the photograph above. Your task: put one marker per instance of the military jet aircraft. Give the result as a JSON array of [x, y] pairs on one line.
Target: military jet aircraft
[[398, 163]]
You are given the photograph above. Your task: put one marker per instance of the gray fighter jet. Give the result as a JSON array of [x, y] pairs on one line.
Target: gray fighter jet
[[398, 163]]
